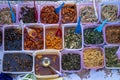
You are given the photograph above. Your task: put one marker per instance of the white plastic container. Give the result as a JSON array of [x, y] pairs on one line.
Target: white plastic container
[[53, 26], [13, 6], [8, 27], [76, 52], [109, 3], [37, 25], [15, 52], [30, 5], [42, 5], [110, 46], [72, 25], [48, 51], [89, 4]]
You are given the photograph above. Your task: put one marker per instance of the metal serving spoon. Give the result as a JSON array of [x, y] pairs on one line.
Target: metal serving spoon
[[46, 63]]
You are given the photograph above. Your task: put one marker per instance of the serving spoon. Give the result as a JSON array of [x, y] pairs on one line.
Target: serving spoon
[[100, 27], [78, 28], [31, 32], [59, 31], [12, 13], [57, 10], [35, 10], [46, 63]]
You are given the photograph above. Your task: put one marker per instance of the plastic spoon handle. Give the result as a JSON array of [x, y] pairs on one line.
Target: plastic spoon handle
[[78, 28], [29, 30], [11, 11], [59, 31], [57, 10], [95, 8], [36, 14], [60, 74], [100, 27], [104, 22], [9, 5]]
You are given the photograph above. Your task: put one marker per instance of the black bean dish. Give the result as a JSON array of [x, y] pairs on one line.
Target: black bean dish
[[71, 61], [13, 39], [17, 62]]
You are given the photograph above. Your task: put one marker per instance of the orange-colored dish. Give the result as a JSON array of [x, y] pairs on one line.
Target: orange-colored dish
[[52, 41], [33, 43], [48, 15], [113, 34], [69, 13]]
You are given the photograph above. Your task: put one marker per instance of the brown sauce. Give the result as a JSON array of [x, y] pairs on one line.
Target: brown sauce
[[41, 70]]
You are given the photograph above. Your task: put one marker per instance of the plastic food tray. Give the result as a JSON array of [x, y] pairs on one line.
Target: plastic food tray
[[93, 67], [73, 52], [14, 6], [14, 52], [108, 46], [104, 29], [106, 3], [81, 5], [92, 26], [71, 25], [48, 4], [48, 51], [7, 27], [28, 5], [76, 4], [54, 26], [38, 26]]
